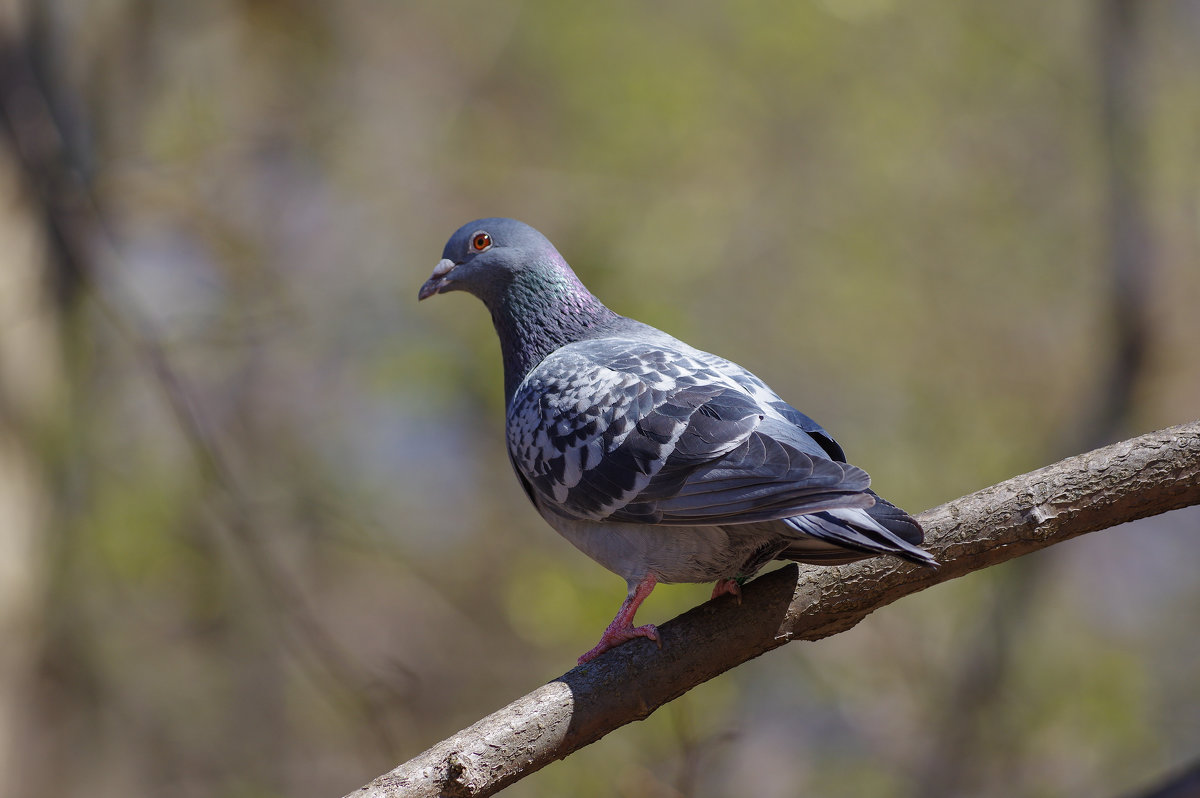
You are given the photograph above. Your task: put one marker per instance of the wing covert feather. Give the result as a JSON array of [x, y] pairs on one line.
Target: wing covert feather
[[649, 435]]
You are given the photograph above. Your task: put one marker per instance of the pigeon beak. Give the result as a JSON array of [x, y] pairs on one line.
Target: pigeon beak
[[438, 280]]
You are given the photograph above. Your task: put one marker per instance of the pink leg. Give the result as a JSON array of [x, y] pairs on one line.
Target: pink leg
[[622, 629], [729, 586]]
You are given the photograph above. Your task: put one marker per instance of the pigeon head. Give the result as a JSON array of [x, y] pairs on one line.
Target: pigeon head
[[536, 301], [491, 257]]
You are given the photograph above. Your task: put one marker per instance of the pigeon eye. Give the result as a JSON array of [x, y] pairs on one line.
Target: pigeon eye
[[481, 241]]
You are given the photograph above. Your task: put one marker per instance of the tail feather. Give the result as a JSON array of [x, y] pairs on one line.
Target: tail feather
[[895, 520], [837, 536]]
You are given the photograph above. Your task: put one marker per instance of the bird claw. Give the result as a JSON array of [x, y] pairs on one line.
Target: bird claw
[[615, 637], [729, 586]]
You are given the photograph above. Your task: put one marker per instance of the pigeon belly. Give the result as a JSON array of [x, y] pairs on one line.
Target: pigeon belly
[[671, 553]]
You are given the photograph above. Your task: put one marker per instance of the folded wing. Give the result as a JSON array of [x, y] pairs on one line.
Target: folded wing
[[618, 431]]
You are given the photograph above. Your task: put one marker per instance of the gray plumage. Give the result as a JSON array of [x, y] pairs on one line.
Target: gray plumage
[[658, 460]]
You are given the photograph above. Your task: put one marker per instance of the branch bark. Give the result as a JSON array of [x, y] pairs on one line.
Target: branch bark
[[1124, 482]]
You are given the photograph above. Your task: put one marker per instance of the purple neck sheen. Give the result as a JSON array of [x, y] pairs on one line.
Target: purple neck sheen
[[544, 308]]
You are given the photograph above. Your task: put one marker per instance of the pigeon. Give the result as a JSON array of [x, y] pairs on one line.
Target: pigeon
[[661, 462]]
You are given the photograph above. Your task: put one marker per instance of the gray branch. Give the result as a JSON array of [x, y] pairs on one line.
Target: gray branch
[[1133, 479]]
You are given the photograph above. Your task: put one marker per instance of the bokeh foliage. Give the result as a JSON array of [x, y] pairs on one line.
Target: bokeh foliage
[[282, 548]]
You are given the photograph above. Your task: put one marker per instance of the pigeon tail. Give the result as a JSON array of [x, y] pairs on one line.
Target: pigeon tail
[[895, 520], [857, 534]]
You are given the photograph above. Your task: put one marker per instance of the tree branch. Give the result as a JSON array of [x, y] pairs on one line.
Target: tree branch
[[1133, 479]]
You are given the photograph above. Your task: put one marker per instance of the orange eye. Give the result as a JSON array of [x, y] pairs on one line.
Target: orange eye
[[481, 241]]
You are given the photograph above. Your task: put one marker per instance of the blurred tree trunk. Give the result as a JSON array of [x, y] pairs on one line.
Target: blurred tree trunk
[[45, 227], [30, 379], [1130, 249], [57, 693], [972, 719], [34, 294]]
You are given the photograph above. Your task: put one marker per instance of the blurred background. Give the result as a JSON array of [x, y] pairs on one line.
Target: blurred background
[[258, 533]]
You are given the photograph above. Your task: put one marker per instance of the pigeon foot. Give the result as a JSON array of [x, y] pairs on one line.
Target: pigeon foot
[[622, 630], [729, 586], [615, 637]]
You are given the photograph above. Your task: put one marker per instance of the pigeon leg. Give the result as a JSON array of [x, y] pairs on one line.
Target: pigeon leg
[[729, 586], [622, 629]]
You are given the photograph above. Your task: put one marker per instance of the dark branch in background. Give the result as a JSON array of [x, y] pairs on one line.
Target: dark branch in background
[[1124, 482], [1184, 784], [968, 714], [971, 709], [38, 121], [1131, 253]]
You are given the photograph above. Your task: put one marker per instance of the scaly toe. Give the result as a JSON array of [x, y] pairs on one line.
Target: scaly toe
[[649, 630], [615, 637], [729, 586]]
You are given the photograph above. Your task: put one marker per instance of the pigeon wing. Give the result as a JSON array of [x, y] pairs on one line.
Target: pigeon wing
[[615, 430]]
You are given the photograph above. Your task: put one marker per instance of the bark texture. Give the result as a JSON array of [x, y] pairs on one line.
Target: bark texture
[[1124, 482]]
